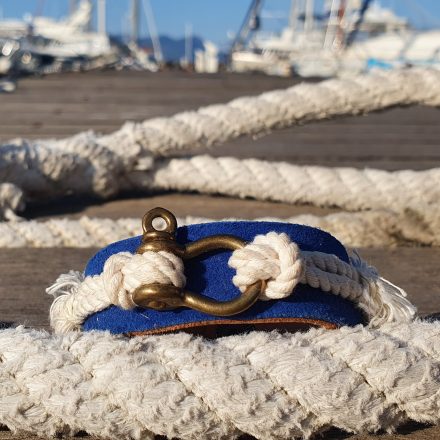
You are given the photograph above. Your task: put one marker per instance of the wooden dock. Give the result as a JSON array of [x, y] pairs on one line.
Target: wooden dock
[[59, 106]]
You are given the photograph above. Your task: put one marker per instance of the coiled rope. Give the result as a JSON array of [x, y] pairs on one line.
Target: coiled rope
[[105, 165], [404, 203], [268, 385], [132, 158]]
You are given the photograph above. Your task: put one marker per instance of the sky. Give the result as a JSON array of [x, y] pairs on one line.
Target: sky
[[211, 19]]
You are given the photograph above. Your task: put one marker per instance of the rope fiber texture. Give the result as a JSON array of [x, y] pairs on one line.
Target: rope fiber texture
[[364, 229], [349, 188], [105, 165], [268, 385], [404, 204]]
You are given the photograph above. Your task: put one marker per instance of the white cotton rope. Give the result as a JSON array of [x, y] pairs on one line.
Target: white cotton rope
[[125, 160], [364, 229], [349, 188], [268, 385], [272, 257]]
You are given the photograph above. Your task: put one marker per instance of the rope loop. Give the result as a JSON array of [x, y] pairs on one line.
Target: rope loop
[[272, 257]]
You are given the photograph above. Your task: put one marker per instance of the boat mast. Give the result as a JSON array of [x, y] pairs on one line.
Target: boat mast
[[89, 23], [309, 16], [134, 18], [250, 24], [294, 15], [152, 29], [351, 37], [101, 17], [188, 44], [334, 34], [73, 4]]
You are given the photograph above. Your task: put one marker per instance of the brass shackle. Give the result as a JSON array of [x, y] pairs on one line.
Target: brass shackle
[[168, 297]]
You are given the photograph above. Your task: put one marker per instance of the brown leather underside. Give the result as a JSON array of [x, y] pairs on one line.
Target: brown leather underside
[[213, 329]]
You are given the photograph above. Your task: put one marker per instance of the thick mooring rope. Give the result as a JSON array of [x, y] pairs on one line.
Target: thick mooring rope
[[349, 188], [269, 385], [404, 203], [364, 229], [105, 165]]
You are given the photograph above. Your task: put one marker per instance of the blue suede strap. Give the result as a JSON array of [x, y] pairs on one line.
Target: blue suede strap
[[210, 275]]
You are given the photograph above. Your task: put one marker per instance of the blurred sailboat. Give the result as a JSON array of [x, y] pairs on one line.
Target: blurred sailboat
[[43, 45], [347, 37], [66, 37]]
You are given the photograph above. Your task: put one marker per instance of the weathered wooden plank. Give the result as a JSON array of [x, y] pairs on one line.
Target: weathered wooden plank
[[181, 204], [25, 274]]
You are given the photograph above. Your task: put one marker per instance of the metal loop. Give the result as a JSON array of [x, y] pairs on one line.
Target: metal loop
[[171, 222], [168, 297]]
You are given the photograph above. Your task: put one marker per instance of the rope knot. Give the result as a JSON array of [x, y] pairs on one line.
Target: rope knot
[[123, 273], [270, 257]]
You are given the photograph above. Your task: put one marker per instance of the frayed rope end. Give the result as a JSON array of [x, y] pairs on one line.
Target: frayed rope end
[[383, 301]]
